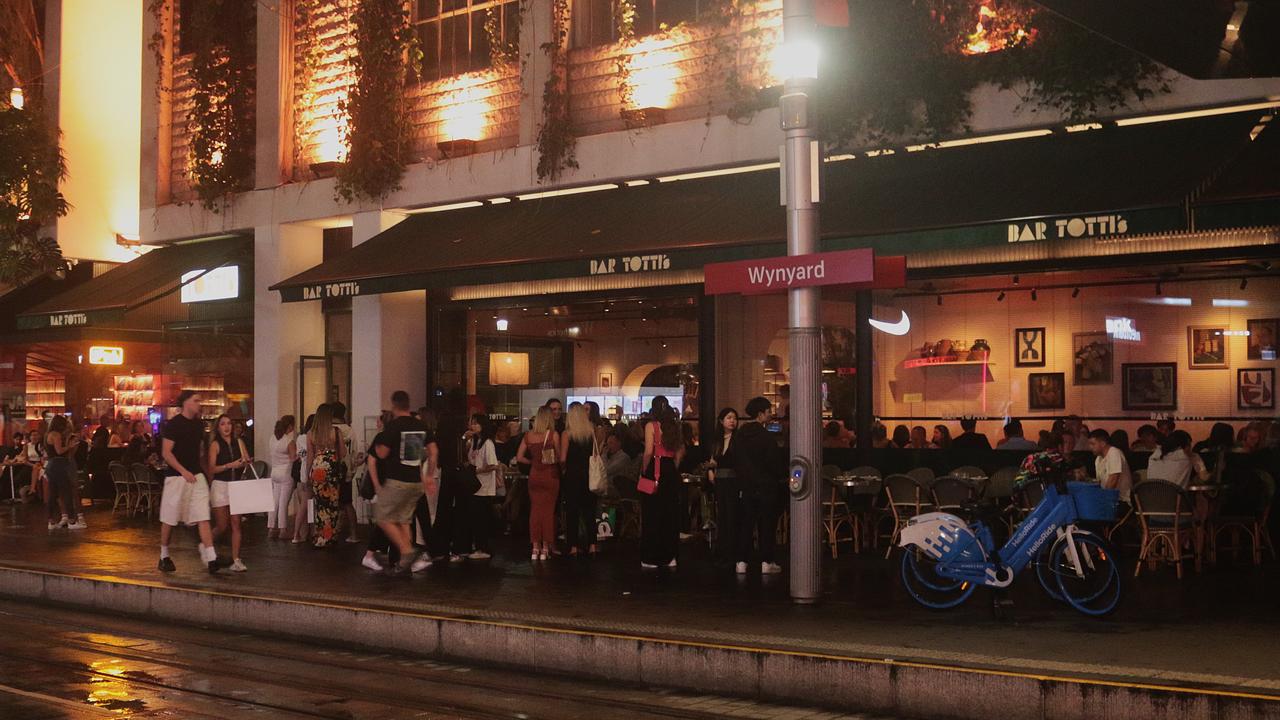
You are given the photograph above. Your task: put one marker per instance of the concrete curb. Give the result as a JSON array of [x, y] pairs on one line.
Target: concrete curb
[[920, 690]]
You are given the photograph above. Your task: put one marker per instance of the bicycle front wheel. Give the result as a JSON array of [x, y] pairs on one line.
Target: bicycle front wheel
[[1090, 582], [921, 579]]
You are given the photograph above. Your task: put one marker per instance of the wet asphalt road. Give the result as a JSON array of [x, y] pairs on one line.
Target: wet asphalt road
[[58, 663]]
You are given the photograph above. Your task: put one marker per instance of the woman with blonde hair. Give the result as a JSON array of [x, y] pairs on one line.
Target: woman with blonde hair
[[580, 441], [325, 455], [539, 449]]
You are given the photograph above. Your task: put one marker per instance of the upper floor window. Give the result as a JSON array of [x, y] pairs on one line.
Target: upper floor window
[[597, 22], [454, 37]]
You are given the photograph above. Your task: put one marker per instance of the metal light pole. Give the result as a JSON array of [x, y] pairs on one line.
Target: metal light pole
[[799, 169]]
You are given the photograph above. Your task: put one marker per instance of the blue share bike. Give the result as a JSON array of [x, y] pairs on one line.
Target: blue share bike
[[945, 558]]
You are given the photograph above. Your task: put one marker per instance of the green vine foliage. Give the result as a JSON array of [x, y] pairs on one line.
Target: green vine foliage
[[379, 132], [897, 73], [624, 18], [557, 140], [222, 122], [31, 167]]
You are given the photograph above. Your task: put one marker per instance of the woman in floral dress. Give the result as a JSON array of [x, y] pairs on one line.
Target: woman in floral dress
[[326, 459]]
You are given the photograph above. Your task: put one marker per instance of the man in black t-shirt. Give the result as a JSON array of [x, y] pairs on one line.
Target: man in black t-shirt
[[401, 464], [186, 490]]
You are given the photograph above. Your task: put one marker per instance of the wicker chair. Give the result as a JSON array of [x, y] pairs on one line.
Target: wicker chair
[[146, 487], [922, 475], [123, 485], [904, 499], [1253, 525], [1168, 525], [951, 494], [835, 511]]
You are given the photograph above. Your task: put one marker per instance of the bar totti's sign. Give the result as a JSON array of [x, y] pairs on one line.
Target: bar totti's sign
[[330, 290], [777, 274]]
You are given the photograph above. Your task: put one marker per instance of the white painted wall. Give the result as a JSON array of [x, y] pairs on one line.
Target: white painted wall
[[99, 112], [282, 332]]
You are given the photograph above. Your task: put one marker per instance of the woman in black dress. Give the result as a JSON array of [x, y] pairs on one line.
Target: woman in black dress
[[578, 443], [724, 479]]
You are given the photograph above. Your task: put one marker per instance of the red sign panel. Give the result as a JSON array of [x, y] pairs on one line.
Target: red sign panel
[[769, 275]]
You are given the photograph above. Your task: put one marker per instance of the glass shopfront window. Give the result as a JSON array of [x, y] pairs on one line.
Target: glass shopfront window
[[618, 352], [1119, 348]]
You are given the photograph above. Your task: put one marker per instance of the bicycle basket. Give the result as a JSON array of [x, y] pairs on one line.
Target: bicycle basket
[[1094, 503]]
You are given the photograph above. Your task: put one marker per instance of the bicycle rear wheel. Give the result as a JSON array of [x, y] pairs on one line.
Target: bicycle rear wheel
[[1044, 571], [921, 579], [1094, 587]]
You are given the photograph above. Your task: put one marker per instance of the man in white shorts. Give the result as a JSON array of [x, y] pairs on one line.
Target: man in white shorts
[[186, 492]]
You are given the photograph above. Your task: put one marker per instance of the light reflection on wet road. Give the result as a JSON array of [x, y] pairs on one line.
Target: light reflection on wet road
[[62, 664]]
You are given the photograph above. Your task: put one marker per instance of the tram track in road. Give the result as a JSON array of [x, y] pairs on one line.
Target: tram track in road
[[429, 687]]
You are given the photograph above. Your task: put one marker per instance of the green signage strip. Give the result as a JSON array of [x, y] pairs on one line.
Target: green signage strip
[[1042, 229], [70, 319]]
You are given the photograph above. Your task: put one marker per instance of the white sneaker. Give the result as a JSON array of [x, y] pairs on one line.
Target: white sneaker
[[647, 566], [672, 564], [238, 566], [53, 525], [479, 555], [79, 524], [371, 563], [455, 558], [768, 568], [422, 563], [740, 568]]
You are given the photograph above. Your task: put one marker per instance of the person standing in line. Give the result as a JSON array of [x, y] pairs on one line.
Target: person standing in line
[[482, 456], [445, 529], [326, 458], [185, 498], [538, 448], [226, 459], [581, 440], [760, 466], [557, 414], [723, 476], [60, 447], [346, 496], [660, 510], [283, 452], [303, 493], [401, 466]]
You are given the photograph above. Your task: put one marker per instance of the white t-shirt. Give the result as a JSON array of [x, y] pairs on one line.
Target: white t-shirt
[[480, 457], [1113, 463], [1177, 467], [279, 452]]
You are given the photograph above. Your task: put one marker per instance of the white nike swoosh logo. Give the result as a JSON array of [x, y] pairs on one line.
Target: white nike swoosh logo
[[902, 327]]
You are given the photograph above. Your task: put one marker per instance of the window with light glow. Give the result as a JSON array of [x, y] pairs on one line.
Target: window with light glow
[[597, 23], [453, 36]]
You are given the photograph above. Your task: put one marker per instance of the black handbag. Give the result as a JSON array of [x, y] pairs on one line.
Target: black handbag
[[467, 482], [366, 488], [295, 471]]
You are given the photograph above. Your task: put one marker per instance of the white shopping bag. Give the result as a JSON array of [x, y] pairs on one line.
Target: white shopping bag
[[251, 496], [311, 510]]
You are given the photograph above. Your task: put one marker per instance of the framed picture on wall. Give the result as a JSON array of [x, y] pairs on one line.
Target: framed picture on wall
[[1263, 336], [1149, 386], [1046, 391], [1092, 359], [1029, 347], [606, 380], [1256, 388], [1206, 347]]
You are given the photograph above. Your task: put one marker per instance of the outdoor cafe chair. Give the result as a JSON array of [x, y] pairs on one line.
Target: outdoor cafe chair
[[905, 499], [835, 510], [862, 506], [1254, 525], [922, 475], [148, 490], [951, 494], [1168, 525], [122, 483], [968, 471]]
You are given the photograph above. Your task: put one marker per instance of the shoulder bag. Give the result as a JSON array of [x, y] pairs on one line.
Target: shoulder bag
[[598, 477]]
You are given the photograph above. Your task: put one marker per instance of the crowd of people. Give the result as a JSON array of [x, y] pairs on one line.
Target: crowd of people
[[442, 483]]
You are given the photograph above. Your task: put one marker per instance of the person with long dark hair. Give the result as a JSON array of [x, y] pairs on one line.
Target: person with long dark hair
[[581, 439], [282, 454], [226, 458], [60, 445], [539, 449], [452, 505], [303, 493], [1174, 462], [475, 535], [660, 510], [760, 468], [723, 476], [326, 463]]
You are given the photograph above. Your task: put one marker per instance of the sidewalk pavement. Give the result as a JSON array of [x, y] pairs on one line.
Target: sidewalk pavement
[[1213, 631]]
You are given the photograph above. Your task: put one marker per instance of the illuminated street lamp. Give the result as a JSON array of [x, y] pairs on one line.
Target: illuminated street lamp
[[797, 63], [17, 99]]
